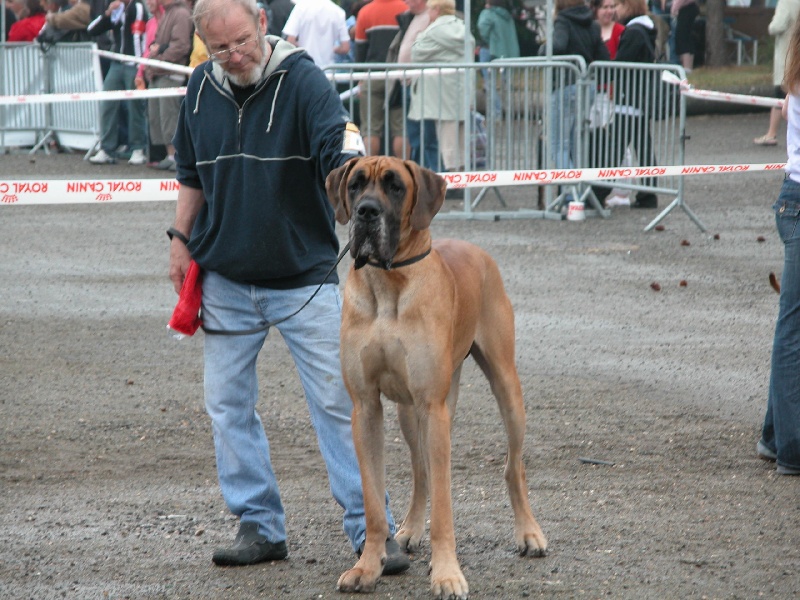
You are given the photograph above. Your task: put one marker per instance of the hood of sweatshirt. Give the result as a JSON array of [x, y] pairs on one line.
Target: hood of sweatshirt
[[582, 15], [501, 13], [642, 20]]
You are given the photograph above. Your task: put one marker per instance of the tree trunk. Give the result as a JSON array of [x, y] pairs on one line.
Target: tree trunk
[[716, 51]]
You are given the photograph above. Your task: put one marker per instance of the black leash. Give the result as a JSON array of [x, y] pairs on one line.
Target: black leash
[[287, 317]]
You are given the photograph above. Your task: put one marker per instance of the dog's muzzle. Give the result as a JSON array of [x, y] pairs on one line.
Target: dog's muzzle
[[374, 232]]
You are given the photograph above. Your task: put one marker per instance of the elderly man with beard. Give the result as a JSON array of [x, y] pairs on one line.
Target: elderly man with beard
[[259, 130]]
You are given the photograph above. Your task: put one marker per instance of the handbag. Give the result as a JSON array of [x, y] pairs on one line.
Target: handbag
[[601, 113]]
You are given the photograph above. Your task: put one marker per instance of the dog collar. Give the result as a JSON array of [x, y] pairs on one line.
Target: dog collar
[[403, 263]]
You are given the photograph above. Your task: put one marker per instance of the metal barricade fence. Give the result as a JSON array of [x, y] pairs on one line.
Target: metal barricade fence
[[635, 120], [511, 137], [28, 69]]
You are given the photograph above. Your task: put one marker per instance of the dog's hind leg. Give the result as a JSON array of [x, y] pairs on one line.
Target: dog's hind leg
[[494, 352]]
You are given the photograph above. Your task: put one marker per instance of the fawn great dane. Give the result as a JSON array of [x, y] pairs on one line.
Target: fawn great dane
[[413, 311]]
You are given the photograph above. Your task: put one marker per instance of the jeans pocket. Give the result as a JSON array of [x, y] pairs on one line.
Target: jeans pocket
[[787, 210]]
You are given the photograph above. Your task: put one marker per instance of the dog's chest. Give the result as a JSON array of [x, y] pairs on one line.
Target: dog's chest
[[382, 347]]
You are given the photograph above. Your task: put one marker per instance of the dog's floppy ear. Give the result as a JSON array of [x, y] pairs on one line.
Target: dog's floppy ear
[[336, 188], [429, 191]]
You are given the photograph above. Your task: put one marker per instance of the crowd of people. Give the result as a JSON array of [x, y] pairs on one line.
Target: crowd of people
[[426, 126]]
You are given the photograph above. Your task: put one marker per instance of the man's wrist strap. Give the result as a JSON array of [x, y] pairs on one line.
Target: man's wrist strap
[[172, 232]]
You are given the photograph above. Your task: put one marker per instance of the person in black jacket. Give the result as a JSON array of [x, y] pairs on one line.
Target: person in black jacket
[[574, 32], [126, 19], [637, 44]]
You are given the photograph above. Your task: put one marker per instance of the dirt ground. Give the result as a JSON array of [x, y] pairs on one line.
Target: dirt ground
[[106, 463]]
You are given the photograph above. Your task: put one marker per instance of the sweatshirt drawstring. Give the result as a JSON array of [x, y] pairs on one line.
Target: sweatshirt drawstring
[[200, 91], [274, 101]]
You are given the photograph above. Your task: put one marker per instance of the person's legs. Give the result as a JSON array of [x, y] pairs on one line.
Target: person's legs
[[684, 37], [313, 340], [137, 113], [169, 111], [771, 137], [452, 152], [562, 126], [109, 110], [246, 478], [781, 430], [371, 111], [430, 144], [413, 129]]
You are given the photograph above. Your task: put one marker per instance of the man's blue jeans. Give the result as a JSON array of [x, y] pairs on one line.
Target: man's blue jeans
[[781, 431], [245, 472]]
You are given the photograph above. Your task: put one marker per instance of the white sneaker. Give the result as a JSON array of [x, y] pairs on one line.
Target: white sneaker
[[137, 158], [101, 158]]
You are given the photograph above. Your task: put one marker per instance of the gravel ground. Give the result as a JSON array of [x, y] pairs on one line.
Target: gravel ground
[[107, 473]]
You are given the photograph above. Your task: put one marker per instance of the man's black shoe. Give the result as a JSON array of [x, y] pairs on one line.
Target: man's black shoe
[[249, 548], [645, 201], [396, 560]]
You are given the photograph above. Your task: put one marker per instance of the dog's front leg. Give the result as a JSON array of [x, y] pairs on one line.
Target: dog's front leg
[[368, 439], [447, 580], [413, 529]]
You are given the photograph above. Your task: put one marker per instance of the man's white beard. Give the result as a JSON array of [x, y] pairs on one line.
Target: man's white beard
[[252, 76]]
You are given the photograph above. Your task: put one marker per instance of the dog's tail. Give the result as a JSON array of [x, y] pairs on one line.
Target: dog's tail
[[773, 281]]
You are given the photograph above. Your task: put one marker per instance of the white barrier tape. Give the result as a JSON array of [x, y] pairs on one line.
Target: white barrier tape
[[82, 191], [86, 96], [689, 91], [160, 64], [568, 176], [87, 191]]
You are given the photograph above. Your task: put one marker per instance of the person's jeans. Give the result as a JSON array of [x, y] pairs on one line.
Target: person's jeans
[[491, 93], [424, 142], [781, 431], [120, 77], [246, 477], [564, 103]]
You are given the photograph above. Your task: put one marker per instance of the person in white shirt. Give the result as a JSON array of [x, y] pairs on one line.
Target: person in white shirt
[[319, 27]]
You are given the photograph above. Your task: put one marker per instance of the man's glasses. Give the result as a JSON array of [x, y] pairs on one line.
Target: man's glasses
[[224, 56]]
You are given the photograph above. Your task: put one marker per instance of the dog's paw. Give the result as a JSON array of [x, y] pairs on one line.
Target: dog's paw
[[532, 544], [357, 580], [409, 540], [450, 586]]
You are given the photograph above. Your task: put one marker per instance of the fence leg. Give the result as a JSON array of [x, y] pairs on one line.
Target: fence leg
[[678, 202]]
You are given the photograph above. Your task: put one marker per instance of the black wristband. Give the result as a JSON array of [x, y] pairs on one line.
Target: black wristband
[[172, 232]]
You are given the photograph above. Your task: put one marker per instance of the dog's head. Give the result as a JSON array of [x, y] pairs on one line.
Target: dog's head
[[383, 198]]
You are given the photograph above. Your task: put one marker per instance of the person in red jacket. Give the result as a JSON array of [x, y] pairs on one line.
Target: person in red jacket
[[26, 29]]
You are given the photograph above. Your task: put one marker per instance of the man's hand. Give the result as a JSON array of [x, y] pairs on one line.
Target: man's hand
[[179, 259]]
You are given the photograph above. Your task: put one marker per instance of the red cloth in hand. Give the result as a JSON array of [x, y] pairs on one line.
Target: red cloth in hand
[[186, 316]]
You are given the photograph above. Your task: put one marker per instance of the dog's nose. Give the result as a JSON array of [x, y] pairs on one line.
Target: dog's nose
[[368, 210]]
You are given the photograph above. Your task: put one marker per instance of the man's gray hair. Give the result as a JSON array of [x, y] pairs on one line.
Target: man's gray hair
[[208, 9]]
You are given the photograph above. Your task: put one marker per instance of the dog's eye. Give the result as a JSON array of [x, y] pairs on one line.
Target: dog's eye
[[355, 183], [393, 184]]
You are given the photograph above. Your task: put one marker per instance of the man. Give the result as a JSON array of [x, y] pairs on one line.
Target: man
[[319, 27], [173, 43], [376, 27], [126, 20], [259, 130]]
